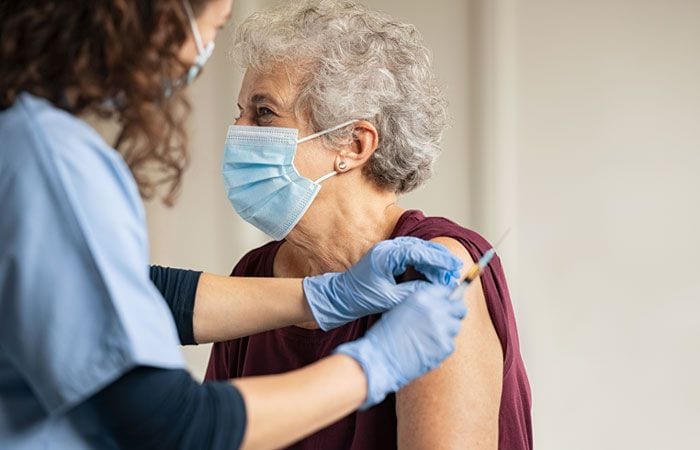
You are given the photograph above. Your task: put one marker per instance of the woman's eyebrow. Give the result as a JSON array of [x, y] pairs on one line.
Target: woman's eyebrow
[[263, 98]]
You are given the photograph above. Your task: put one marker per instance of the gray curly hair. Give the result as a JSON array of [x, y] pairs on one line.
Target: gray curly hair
[[355, 64]]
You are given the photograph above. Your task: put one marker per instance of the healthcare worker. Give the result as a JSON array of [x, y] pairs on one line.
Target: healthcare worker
[[89, 354]]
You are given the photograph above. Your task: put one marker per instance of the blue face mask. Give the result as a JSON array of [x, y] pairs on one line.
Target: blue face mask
[[203, 54], [261, 181]]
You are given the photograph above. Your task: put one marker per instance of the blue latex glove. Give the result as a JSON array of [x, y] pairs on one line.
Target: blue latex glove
[[369, 286], [408, 341]]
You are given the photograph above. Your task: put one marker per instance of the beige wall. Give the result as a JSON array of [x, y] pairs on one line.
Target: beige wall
[[576, 123], [608, 144]]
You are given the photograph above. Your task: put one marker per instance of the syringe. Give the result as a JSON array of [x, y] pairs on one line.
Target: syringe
[[477, 269]]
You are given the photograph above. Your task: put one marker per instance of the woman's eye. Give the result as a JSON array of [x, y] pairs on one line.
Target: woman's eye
[[264, 112]]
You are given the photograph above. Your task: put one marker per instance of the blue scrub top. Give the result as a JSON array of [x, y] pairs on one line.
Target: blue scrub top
[[77, 307]]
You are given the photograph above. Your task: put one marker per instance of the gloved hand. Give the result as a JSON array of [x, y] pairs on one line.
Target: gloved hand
[[369, 286], [408, 341]]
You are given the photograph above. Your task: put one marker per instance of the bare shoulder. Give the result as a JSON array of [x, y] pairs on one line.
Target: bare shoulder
[[456, 249], [466, 388]]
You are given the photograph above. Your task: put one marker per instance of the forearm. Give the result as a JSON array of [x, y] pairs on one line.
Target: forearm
[[152, 408], [226, 308], [149, 408], [282, 409]]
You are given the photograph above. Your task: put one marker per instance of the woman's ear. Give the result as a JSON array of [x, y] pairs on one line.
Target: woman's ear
[[365, 140]]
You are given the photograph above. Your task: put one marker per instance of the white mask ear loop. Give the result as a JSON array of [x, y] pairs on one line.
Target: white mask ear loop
[[325, 177], [193, 25], [321, 133], [330, 130]]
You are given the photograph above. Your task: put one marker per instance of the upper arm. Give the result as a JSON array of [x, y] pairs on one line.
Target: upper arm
[[457, 404], [152, 408]]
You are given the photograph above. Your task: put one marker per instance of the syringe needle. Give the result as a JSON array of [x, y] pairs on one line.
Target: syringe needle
[[503, 238], [479, 266]]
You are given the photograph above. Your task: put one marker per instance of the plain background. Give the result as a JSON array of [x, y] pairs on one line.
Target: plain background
[[576, 123]]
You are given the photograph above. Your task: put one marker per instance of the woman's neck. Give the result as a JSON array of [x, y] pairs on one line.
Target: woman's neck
[[335, 234]]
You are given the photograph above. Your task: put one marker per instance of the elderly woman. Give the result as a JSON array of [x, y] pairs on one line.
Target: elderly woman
[[345, 96]]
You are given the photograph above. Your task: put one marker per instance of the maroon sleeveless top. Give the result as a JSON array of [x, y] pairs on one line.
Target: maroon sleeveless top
[[375, 429]]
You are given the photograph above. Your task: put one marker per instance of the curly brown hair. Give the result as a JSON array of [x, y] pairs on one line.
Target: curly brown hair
[[108, 58]]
